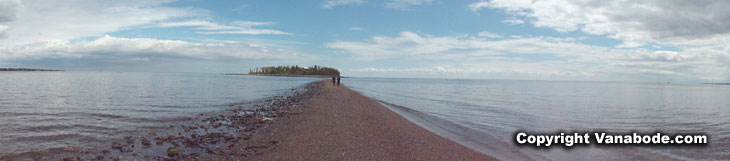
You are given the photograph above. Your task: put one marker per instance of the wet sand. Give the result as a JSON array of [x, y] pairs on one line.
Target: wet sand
[[340, 124]]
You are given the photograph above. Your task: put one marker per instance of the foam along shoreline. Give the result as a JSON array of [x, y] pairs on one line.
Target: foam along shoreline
[[486, 144]]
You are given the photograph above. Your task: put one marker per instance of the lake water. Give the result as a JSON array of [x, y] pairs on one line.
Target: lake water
[[45, 110], [499, 108]]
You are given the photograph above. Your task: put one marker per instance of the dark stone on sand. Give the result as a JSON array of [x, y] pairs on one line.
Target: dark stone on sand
[[246, 136], [117, 146], [69, 158], [129, 139], [146, 142], [204, 137], [171, 152]]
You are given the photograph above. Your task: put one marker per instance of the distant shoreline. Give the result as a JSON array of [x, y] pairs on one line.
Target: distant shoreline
[[722, 84], [27, 70]]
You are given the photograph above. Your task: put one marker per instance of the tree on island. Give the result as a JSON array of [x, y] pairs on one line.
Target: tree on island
[[295, 70]]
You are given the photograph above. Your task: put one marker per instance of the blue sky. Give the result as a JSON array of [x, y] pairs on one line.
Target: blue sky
[[493, 39]]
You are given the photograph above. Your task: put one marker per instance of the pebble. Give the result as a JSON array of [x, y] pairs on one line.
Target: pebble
[[69, 158], [246, 136], [171, 152], [198, 137], [146, 142]]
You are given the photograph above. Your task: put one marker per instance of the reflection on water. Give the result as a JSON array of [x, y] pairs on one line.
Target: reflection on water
[[44, 110], [502, 107]]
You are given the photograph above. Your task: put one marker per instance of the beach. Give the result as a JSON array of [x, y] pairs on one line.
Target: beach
[[317, 121], [340, 124]]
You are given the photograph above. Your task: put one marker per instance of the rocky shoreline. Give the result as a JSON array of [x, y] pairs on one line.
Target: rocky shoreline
[[228, 133], [319, 121]]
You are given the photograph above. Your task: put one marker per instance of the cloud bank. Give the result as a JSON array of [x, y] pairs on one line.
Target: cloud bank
[[335, 3], [237, 27], [395, 4], [40, 21], [525, 55], [636, 23], [42, 32], [134, 50]]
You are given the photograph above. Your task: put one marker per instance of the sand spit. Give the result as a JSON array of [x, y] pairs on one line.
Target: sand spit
[[318, 122]]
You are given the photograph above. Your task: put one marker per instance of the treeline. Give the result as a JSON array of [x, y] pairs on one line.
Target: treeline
[[295, 70]]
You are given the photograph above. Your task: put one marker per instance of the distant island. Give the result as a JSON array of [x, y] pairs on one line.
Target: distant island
[[24, 69], [316, 71]]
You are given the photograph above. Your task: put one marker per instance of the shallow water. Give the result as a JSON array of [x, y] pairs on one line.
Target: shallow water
[[46, 110], [499, 108]]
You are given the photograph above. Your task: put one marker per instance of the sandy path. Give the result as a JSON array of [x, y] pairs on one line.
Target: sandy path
[[341, 124]]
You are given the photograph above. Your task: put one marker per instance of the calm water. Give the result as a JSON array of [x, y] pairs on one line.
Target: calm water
[[502, 107], [42, 110]]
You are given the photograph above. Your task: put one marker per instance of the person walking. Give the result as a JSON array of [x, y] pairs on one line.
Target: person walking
[[333, 81], [338, 81]]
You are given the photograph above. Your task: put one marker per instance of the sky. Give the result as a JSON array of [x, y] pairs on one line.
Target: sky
[[603, 40]]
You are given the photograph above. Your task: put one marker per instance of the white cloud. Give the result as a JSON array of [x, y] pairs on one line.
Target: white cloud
[[514, 6], [201, 24], [476, 6], [41, 21], [238, 27], [8, 10], [432, 69], [513, 21], [33, 30], [547, 56], [405, 4], [109, 48], [335, 3], [489, 35], [249, 31], [410, 44], [252, 23], [2, 31], [635, 23], [395, 4], [355, 28], [506, 70]]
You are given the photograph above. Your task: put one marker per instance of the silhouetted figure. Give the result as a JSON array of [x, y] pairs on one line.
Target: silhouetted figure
[[338, 81], [333, 81]]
